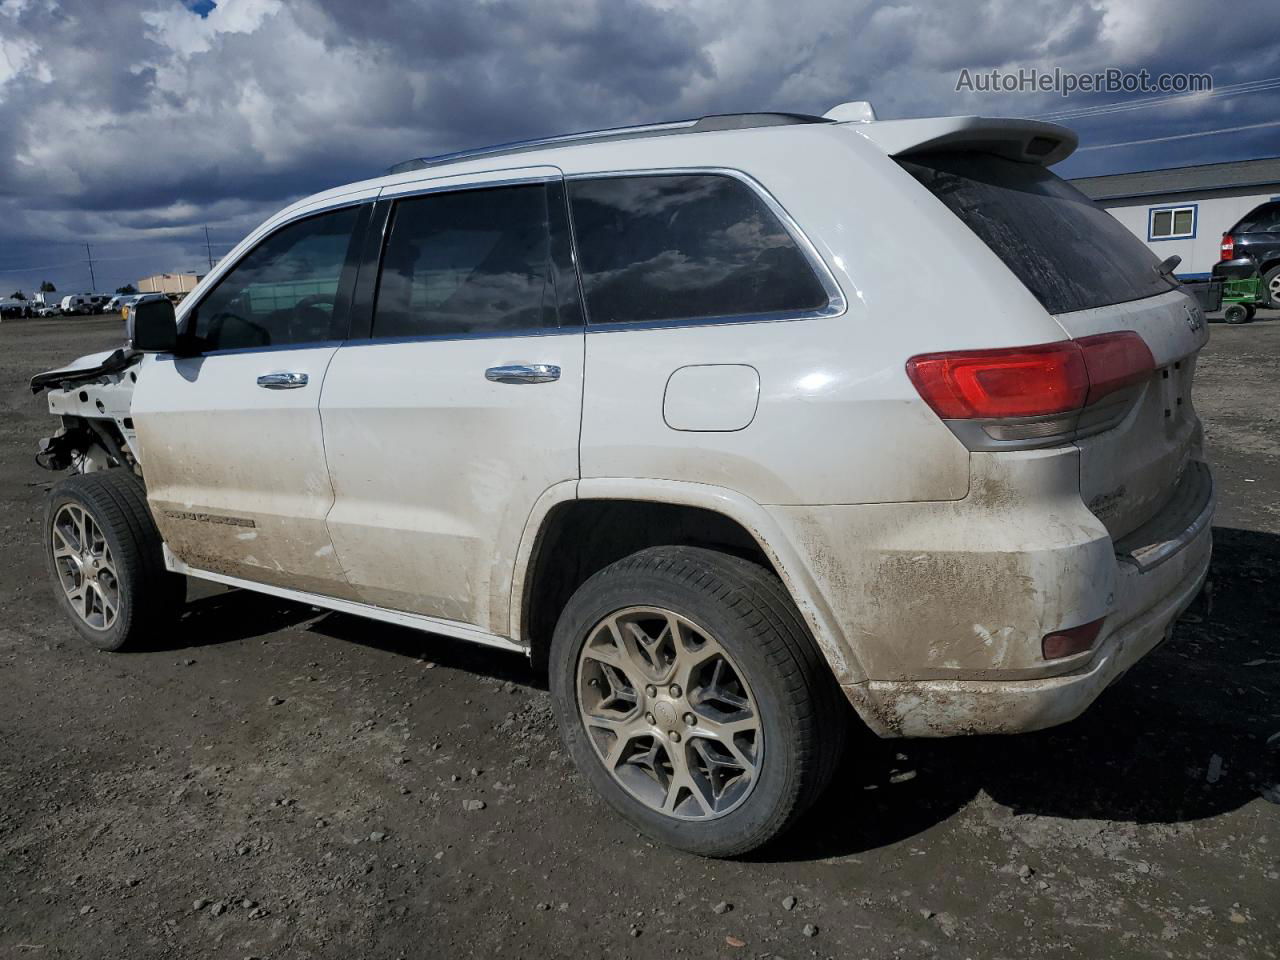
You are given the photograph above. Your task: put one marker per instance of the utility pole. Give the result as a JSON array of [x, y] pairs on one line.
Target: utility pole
[[93, 284], [208, 246]]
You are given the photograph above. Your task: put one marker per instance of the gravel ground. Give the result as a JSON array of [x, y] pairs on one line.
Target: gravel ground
[[277, 782]]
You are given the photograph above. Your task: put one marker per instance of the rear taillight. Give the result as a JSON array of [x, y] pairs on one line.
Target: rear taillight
[[992, 384], [1228, 248], [1115, 361], [1033, 395], [1065, 643]]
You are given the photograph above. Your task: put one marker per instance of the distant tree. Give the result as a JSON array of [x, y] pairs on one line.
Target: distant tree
[[127, 288], [47, 287], [17, 295]]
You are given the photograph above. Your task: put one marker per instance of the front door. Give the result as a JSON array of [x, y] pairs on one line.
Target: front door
[[230, 437], [462, 404]]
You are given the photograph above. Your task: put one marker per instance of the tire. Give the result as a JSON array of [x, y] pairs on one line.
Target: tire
[[1235, 313], [1269, 295], [1250, 311], [124, 559], [759, 661]]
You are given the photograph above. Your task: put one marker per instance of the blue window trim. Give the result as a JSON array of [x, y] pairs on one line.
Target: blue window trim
[[1195, 221]]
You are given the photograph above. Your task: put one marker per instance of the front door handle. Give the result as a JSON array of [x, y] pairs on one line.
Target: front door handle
[[282, 381], [523, 373]]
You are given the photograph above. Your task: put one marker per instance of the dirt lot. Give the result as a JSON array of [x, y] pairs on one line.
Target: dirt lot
[[164, 804]]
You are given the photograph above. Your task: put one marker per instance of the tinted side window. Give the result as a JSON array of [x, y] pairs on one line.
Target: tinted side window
[[471, 262], [684, 247], [1264, 219], [283, 291]]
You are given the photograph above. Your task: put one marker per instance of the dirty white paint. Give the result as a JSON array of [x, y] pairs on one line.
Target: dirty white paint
[[436, 470], [401, 483]]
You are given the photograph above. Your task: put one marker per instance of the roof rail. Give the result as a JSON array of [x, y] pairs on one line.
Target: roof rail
[[720, 121]]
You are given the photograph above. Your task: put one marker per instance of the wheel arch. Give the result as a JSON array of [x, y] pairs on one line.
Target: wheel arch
[[647, 513]]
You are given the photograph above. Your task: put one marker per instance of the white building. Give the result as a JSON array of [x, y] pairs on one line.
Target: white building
[[1186, 210], [182, 283]]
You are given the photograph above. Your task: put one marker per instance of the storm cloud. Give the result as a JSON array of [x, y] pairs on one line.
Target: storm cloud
[[133, 124]]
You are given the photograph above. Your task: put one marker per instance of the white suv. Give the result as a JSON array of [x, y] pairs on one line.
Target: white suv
[[730, 423]]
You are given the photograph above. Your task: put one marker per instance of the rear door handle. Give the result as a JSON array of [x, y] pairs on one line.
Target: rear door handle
[[282, 381], [523, 373]]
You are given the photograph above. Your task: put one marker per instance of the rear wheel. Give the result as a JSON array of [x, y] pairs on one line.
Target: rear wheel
[[1270, 293], [691, 695], [1235, 313], [105, 559]]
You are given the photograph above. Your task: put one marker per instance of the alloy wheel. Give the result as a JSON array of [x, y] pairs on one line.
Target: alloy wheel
[[85, 567], [669, 713]]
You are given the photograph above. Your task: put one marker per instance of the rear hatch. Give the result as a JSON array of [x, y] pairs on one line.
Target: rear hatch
[[1094, 277]]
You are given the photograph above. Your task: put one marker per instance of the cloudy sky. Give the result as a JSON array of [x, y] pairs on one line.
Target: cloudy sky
[[133, 124]]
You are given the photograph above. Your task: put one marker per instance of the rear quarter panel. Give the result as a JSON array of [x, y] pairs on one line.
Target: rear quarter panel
[[838, 421]]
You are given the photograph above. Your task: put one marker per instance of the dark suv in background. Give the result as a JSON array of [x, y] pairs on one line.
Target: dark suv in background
[[1254, 244]]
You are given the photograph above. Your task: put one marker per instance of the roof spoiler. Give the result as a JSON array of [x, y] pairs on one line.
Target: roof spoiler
[[1028, 141]]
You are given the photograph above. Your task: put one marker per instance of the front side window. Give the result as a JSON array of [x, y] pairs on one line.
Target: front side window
[[284, 291], [469, 263], [684, 247]]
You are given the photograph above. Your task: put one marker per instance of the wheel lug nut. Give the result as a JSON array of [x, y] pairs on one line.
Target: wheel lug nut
[[690, 719], [675, 736], [651, 691], [674, 690], [648, 718]]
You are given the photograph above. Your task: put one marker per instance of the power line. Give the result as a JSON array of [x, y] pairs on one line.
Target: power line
[[1181, 136], [1121, 106]]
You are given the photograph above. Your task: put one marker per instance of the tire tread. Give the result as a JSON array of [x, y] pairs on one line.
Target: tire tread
[[759, 602]]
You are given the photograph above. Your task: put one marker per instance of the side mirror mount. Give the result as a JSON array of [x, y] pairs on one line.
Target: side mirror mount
[[151, 326]]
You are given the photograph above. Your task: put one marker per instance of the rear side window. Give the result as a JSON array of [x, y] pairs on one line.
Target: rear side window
[[469, 263], [1264, 219], [685, 247], [1069, 252]]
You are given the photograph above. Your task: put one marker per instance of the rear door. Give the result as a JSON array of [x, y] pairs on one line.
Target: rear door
[[230, 436], [459, 404], [1095, 277]]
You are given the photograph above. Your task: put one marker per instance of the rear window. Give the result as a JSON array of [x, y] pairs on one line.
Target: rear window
[[685, 247], [1069, 252], [1264, 219]]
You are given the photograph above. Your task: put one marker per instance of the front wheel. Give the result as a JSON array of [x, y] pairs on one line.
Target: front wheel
[[691, 695], [1236, 313], [106, 560]]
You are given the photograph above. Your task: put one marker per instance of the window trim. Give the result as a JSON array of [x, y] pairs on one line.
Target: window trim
[[347, 281], [836, 302], [1173, 210]]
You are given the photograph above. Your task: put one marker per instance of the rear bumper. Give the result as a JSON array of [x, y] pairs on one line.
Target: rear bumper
[[1149, 597]]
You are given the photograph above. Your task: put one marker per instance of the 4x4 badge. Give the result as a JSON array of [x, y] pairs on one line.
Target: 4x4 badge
[[1195, 320]]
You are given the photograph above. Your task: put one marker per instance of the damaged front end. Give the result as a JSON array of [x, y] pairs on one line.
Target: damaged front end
[[92, 396]]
